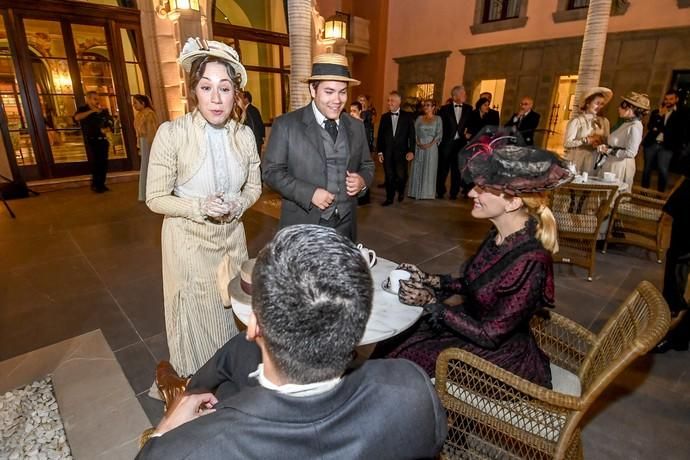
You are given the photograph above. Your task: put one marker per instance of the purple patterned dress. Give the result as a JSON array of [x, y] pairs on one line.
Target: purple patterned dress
[[502, 288]]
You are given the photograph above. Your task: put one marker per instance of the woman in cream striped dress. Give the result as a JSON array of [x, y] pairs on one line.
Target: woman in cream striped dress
[[203, 174]]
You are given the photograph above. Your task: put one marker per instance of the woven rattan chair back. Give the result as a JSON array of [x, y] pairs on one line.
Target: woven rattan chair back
[[637, 220], [580, 210], [495, 414]]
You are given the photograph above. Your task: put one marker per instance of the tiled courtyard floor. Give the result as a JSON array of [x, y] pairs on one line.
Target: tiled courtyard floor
[[74, 261]]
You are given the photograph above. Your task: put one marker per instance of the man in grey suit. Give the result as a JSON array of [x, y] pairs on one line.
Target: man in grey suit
[[285, 390], [317, 157]]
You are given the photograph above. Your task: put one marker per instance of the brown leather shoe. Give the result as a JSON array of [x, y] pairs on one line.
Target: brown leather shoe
[[170, 384]]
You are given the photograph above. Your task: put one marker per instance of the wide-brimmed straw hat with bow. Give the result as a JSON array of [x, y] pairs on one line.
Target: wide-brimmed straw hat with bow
[[499, 160], [639, 100], [198, 47], [331, 67], [604, 91]]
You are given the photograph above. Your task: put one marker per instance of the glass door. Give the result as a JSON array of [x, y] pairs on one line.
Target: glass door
[[14, 107], [50, 66]]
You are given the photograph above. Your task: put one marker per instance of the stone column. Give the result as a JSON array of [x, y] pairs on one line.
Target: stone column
[[593, 47], [299, 24]]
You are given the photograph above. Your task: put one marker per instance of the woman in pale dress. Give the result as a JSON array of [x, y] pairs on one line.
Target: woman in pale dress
[[624, 140], [588, 130], [203, 175], [145, 125], [428, 129]]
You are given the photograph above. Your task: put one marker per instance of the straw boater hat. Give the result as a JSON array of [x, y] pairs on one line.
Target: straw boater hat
[[240, 287], [197, 47], [607, 93], [331, 67], [499, 160], [639, 100]]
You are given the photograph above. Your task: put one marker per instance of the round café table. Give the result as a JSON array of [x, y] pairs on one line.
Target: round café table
[[388, 317]]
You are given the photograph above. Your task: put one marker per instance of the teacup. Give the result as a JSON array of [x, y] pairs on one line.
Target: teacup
[[395, 277], [368, 254], [609, 177]]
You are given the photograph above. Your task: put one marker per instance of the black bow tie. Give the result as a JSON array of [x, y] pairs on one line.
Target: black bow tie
[[394, 114], [457, 105]]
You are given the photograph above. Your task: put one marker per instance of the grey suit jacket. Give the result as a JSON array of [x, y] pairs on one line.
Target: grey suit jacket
[[294, 163], [386, 409]]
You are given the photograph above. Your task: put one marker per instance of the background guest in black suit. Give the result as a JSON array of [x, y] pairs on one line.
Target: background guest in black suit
[[525, 121], [254, 120], [395, 145], [667, 132], [494, 118], [454, 117]]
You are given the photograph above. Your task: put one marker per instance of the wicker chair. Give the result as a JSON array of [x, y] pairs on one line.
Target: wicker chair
[[495, 414], [580, 210], [637, 219]]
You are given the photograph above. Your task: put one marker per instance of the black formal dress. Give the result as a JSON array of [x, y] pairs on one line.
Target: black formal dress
[[394, 147], [452, 141]]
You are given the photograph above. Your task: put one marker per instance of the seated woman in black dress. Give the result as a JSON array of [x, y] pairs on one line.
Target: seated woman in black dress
[[508, 280]]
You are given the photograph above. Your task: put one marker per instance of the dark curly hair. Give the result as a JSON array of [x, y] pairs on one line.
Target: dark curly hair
[[312, 293]]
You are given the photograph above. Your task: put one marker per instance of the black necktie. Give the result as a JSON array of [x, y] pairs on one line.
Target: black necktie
[[394, 114], [332, 128]]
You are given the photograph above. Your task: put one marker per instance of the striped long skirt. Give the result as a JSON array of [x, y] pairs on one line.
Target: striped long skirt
[[196, 322]]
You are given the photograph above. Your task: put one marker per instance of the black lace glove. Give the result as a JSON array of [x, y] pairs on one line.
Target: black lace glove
[[433, 281], [415, 293]]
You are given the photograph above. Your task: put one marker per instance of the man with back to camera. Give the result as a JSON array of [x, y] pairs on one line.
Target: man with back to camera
[[454, 117], [395, 145], [95, 122], [317, 157], [285, 390]]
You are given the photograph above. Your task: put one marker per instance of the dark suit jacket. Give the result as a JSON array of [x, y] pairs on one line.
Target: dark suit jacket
[[255, 122], [451, 125], [385, 409], [526, 126], [404, 140], [294, 163], [676, 130]]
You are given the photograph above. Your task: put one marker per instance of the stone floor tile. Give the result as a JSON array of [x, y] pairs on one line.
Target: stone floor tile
[[153, 408], [158, 346], [138, 365], [141, 299]]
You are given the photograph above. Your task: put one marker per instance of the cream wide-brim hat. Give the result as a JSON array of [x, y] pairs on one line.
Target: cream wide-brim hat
[[639, 100], [604, 91], [331, 67], [197, 47]]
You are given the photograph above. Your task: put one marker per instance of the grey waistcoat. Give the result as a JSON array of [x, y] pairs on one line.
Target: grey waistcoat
[[336, 168]]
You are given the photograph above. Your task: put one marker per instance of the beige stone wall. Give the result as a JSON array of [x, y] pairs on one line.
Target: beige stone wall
[[440, 25]]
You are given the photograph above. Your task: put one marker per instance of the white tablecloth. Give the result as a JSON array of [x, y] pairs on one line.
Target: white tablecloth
[[388, 317]]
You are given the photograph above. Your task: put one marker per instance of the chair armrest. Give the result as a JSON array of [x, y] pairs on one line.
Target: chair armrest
[[474, 374], [649, 193]]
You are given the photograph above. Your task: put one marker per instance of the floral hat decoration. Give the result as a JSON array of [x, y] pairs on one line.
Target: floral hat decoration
[[498, 159]]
